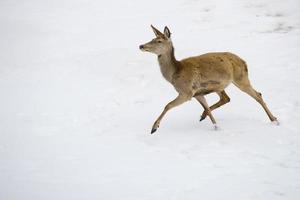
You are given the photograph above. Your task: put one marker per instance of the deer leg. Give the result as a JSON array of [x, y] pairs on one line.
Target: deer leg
[[258, 97], [176, 102], [203, 102], [224, 98]]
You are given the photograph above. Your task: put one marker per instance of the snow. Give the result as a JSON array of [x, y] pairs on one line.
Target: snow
[[78, 100]]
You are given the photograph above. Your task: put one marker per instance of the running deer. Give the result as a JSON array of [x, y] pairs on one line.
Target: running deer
[[200, 75]]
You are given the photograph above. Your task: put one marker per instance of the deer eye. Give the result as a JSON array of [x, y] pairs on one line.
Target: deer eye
[[159, 41]]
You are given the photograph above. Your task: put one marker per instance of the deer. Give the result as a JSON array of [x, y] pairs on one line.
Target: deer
[[197, 76]]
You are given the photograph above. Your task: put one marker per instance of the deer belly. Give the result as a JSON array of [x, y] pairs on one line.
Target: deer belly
[[206, 87]]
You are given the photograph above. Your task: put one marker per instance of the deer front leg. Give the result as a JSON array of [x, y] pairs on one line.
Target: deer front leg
[[203, 102], [176, 102]]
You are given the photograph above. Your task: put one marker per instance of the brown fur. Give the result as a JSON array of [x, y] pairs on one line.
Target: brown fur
[[200, 75]]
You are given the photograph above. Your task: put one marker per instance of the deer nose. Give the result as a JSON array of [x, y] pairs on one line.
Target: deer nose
[[141, 46]]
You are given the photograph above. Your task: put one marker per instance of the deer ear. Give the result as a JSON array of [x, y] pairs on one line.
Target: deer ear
[[157, 32], [167, 32]]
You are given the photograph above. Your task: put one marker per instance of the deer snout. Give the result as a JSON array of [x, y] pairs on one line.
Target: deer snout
[[141, 46]]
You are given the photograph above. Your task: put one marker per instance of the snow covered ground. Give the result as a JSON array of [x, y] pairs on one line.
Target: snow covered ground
[[78, 99]]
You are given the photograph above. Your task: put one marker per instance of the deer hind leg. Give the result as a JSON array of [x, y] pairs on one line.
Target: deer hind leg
[[224, 98], [180, 99], [203, 102], [246, 87]]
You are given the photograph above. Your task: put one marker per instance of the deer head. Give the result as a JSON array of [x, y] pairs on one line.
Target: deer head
[[161, 44]]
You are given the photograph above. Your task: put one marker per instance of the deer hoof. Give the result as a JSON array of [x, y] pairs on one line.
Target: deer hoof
[[153, 130], [203, 116], [216, 127], [276, 122]]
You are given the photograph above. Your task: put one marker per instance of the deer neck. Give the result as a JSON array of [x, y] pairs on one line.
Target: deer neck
[[168, 64]]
